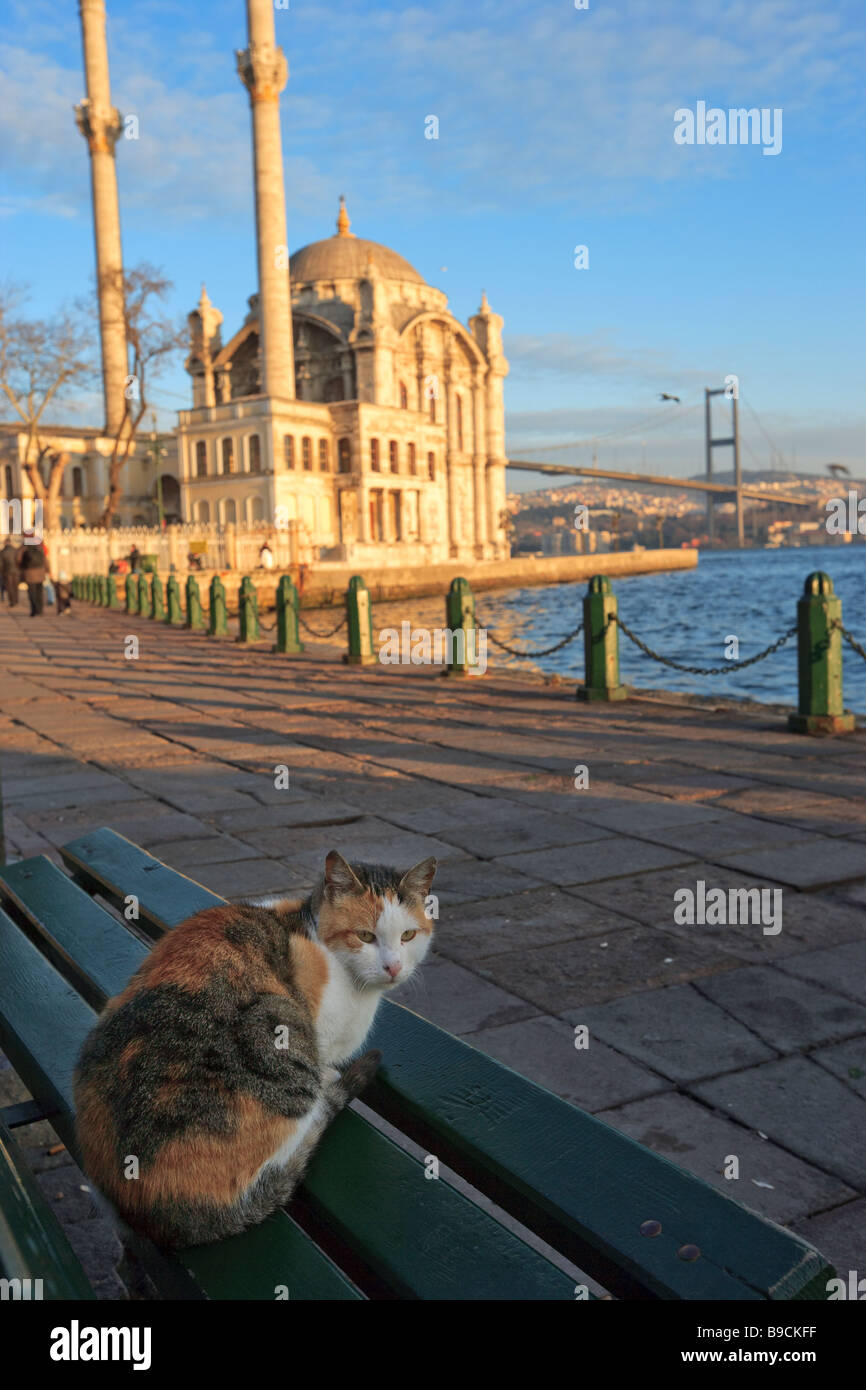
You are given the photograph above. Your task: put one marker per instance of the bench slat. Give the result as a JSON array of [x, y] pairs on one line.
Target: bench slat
[[579, 1183], [107, 863], [420, 1236], [75, 933], [43, 1022], [32, 1242]]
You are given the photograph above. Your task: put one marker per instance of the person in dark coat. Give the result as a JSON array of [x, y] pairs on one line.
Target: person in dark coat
[[33, 566], [9, 575]]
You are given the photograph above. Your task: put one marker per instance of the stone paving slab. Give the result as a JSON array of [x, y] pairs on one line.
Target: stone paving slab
[[800, 1106], [788, 1013], [614, 856], [565, 975], [841, 1235], [771, 1181], [454, 998], [520, 921], [800, 807], [544, 1049], [842, 968], [819, 863], [675, 1031], [847, 1060]]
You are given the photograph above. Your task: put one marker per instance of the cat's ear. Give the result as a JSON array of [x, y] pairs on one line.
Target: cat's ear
[[415, 883], [340, 878]]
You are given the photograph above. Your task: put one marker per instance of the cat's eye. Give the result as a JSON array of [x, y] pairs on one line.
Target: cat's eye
[[366, 936], [407, 935]]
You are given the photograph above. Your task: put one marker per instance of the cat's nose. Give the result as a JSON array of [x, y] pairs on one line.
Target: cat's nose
[[394, 969]]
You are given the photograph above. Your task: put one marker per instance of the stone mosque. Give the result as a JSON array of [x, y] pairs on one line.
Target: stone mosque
[[350, 405]]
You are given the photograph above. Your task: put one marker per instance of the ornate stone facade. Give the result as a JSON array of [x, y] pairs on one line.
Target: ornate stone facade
[[395, 437]]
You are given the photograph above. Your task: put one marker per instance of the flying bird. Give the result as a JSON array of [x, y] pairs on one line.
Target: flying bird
[[665, 397], [838, 470]]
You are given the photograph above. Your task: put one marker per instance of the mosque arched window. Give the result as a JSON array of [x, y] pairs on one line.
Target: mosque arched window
[[433, 408], [229, 511], [324, 456], [413, 460], [459, 400], [393, 456], [77, 481], [289, 450], [228, 449], [404, 396], [344, 456], [203, 512], [201, 459], [307, 453], [255, 448], [431, 465], [375, 463]]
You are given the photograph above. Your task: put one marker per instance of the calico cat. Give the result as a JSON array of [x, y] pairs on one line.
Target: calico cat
[[204, 1087]]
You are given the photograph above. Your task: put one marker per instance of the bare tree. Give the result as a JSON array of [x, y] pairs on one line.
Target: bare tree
[[151, 340], [41, 360]]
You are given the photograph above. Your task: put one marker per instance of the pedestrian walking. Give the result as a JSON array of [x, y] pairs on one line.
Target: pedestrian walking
[[9, 573], [32, 563]]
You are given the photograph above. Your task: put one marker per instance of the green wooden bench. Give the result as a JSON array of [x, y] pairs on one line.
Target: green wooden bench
[[367, 1222]]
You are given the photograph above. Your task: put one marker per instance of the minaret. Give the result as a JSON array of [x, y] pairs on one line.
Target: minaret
[[264, 71], [101, 125]]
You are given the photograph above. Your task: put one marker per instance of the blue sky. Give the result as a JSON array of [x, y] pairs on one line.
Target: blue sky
[[555, 130]]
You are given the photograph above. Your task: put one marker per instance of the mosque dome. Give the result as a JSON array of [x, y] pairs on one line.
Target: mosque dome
[[346, 257]]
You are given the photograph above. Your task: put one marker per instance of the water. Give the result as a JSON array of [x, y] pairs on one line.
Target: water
[[688, 614]]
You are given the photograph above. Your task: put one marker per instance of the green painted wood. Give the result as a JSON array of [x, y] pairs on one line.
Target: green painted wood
[[43, 1023], [109, 864], [32, 1243], [582, 1185], [86, 944], [419, 1235], [275, 1255]]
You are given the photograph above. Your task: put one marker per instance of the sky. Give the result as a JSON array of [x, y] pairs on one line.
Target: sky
[[555, 131]]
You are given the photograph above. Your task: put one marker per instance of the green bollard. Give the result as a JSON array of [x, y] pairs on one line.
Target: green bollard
[[157, 606], [101, 591], [359, 617], [111, 591], [248, 611], [460, 621], [132, 604], [194, 619], [174, 612], [821, 708], [601, 644], [88, 594], [288, 637], [218, 625], [143, 595]]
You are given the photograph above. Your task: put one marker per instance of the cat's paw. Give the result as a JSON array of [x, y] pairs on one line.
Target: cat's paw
[[358, 1074]]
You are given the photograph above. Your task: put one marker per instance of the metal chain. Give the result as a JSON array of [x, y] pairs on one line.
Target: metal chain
[[850, 639], [703, 670], [546, 651], [312, 631], [267, 627]]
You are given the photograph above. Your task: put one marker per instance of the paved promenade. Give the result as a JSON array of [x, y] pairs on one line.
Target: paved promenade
[[557, 903]]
